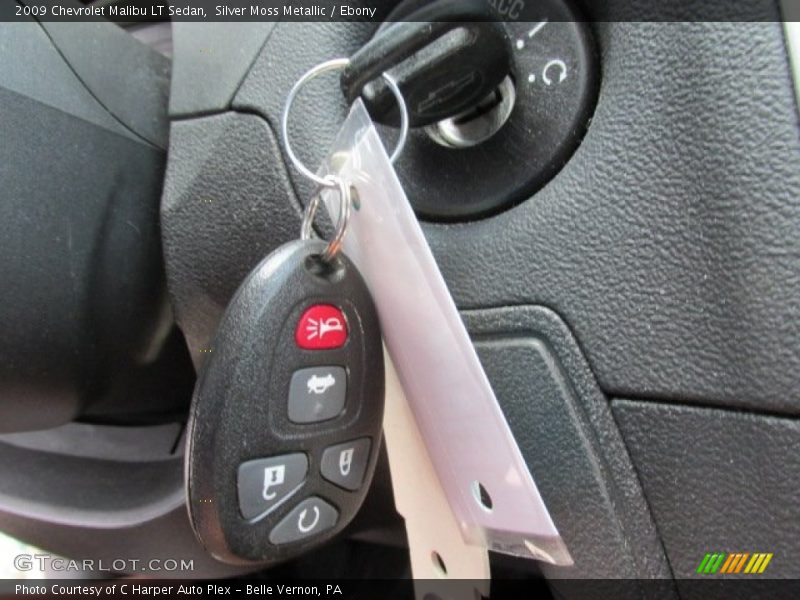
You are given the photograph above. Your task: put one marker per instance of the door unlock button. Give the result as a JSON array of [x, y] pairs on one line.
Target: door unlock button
[[312, 516]]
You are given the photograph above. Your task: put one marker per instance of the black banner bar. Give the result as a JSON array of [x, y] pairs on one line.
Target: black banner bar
[[374, 11], [402, 589]]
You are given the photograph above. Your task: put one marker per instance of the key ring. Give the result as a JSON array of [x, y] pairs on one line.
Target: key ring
[[333, 181], [345, 201], [332, 65]]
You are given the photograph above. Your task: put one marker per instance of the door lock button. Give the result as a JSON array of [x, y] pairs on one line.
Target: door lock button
[[311, 517], [345, 464], [265, 482], [317, 394]]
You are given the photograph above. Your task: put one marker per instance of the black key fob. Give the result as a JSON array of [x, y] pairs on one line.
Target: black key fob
[[286, 416]]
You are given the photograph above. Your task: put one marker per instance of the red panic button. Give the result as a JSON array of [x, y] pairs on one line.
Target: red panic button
[[321, 327]]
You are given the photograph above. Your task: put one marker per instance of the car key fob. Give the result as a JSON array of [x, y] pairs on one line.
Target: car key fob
[[286, 416]]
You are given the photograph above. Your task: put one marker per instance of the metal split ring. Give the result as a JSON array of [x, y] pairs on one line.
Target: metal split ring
[[332, 65], [334, 181], [345, 202]]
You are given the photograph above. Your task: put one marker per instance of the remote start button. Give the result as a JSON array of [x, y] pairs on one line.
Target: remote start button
[[312, 516]]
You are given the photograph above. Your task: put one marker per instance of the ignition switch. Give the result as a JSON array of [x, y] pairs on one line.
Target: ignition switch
[[480, 122], [484, 152]]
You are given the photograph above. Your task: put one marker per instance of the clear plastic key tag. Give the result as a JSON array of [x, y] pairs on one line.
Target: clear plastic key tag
[[487, 484]]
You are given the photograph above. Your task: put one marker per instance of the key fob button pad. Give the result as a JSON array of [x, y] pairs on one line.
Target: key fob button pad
[[266, 409]]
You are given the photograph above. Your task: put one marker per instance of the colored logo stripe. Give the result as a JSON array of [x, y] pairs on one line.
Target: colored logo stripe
[[729, 562], [741, 562], [711, 562], [734, 562], [758, 563]]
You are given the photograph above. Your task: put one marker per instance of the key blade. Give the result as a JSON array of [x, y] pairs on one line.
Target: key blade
[[482, 471], [446, 56]]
